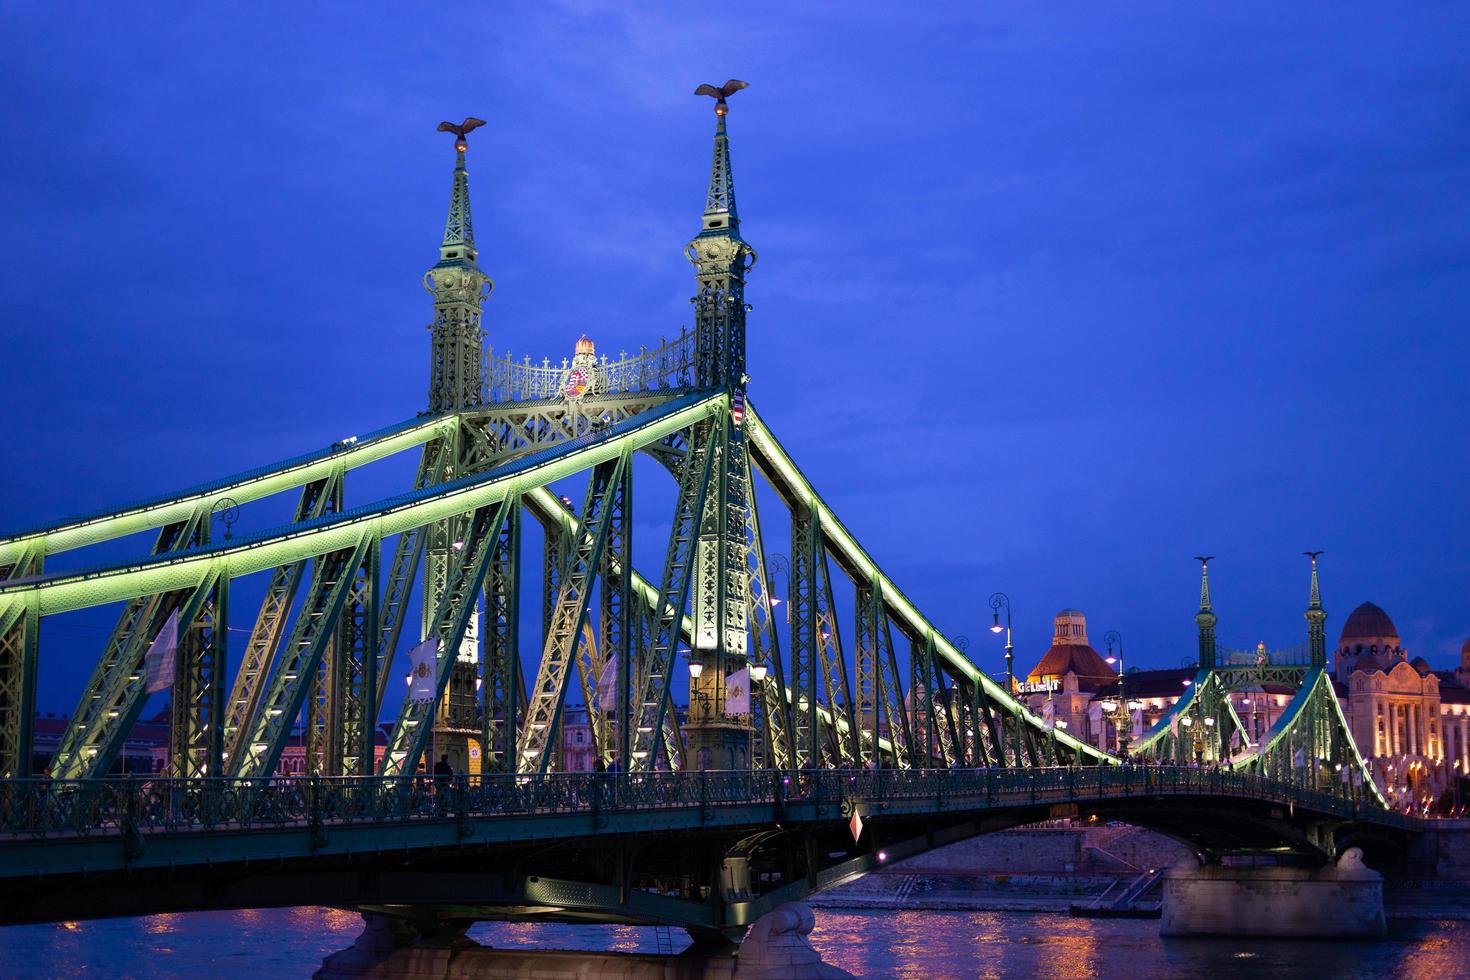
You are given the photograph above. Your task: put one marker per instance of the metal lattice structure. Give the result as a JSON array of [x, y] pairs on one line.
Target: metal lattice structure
[[786, 698]]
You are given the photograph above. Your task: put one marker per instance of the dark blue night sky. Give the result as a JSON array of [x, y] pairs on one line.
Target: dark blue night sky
[[1048, 301]]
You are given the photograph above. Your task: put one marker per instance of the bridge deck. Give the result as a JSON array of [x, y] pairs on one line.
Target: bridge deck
[[87, 826]]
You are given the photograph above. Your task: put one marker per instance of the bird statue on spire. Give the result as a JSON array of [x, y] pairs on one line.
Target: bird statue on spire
[[722, 93], [461, 130]]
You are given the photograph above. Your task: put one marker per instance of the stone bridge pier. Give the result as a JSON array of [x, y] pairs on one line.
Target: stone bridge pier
[[394, 948], [1337, 900]]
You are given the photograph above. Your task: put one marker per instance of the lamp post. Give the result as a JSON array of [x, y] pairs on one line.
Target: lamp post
[[997, 600], [1119, 713], [702, 698], [776, 564]]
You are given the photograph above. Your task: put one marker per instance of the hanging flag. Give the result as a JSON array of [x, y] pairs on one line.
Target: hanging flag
[[856, 826], [737, 692], [1174, 726], [607, 683], [1049, 713], [737, 406], [158, 662], [423, 666]]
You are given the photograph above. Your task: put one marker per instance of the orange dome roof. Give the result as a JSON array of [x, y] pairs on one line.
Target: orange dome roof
[[585, 345], [1368, 622]]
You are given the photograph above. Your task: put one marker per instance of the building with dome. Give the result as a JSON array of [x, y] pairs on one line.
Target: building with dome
[[1069, 675], [1410, 721]]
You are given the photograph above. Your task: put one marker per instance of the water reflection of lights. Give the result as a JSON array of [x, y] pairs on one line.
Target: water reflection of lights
[[163, 924]]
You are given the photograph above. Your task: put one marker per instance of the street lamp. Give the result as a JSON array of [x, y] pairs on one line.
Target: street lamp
[[703, 698], [776, 564], [997, 600], [1123, 720]]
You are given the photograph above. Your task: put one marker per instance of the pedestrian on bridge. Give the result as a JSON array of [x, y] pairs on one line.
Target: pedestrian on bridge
[[443, 777]]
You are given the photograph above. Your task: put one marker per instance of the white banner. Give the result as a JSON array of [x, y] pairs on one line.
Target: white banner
[[423, 666], [158, 662], [737, 692]]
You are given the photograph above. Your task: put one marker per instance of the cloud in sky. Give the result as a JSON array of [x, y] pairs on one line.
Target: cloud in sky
[[1102, 287]]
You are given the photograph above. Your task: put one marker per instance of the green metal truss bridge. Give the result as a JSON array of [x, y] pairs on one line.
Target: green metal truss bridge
[[789, 770]]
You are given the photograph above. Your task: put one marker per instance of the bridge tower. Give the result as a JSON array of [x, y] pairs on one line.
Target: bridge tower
[[720, 733], [1316, 619], [459, 287], [1205, 619]]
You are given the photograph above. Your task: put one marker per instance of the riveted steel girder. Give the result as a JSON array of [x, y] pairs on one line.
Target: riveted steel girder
[[502, 691], [125, 698], [843, 734], [579, 574], [434, 467], [656, 674], [19, 656], [196, 743], [773, 709], [119, 668], [615, 626], [450, 619], [250, 485], [316, 624], [877, 679], [352, 679], [270, 622], [801, 605]]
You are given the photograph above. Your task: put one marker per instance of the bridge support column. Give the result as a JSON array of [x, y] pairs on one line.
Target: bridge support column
[[391, 948], [1344, 900]]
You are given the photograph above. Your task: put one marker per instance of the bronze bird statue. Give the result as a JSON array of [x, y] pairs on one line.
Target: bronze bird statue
[[722, 93], [461, 130]]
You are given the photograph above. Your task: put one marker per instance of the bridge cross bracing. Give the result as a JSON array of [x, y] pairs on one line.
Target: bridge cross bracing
[[802, 691]]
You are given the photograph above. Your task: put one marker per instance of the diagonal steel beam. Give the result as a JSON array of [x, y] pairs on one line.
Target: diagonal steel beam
[[315, 625], [448, 622], [125, 701], [656, 675], [270, 622], [579, 575], [122, 657]]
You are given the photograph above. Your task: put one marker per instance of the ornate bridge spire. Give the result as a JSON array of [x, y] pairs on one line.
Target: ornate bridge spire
[[459, 288], [1316, 618], [721, 259], [1205, 619]]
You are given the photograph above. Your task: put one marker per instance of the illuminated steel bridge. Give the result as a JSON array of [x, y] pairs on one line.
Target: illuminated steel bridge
[[815, 744]]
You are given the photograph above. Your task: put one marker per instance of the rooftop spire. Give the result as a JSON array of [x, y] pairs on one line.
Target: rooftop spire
[[459, 228], [1205, 619], [719, 204], [459, 289], [721, 259], [1316, 618]]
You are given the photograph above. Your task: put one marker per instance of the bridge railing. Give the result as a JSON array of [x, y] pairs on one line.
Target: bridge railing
[[138, 806], [669, 365]]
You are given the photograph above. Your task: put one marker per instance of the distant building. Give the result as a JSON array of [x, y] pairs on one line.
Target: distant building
[[138, 751], [1410, 722]]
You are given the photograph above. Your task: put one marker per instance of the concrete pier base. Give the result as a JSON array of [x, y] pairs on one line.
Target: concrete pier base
[[1338, 901], [776, 948]]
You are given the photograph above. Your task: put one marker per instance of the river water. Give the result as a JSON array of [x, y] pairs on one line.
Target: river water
[[290, 943]]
